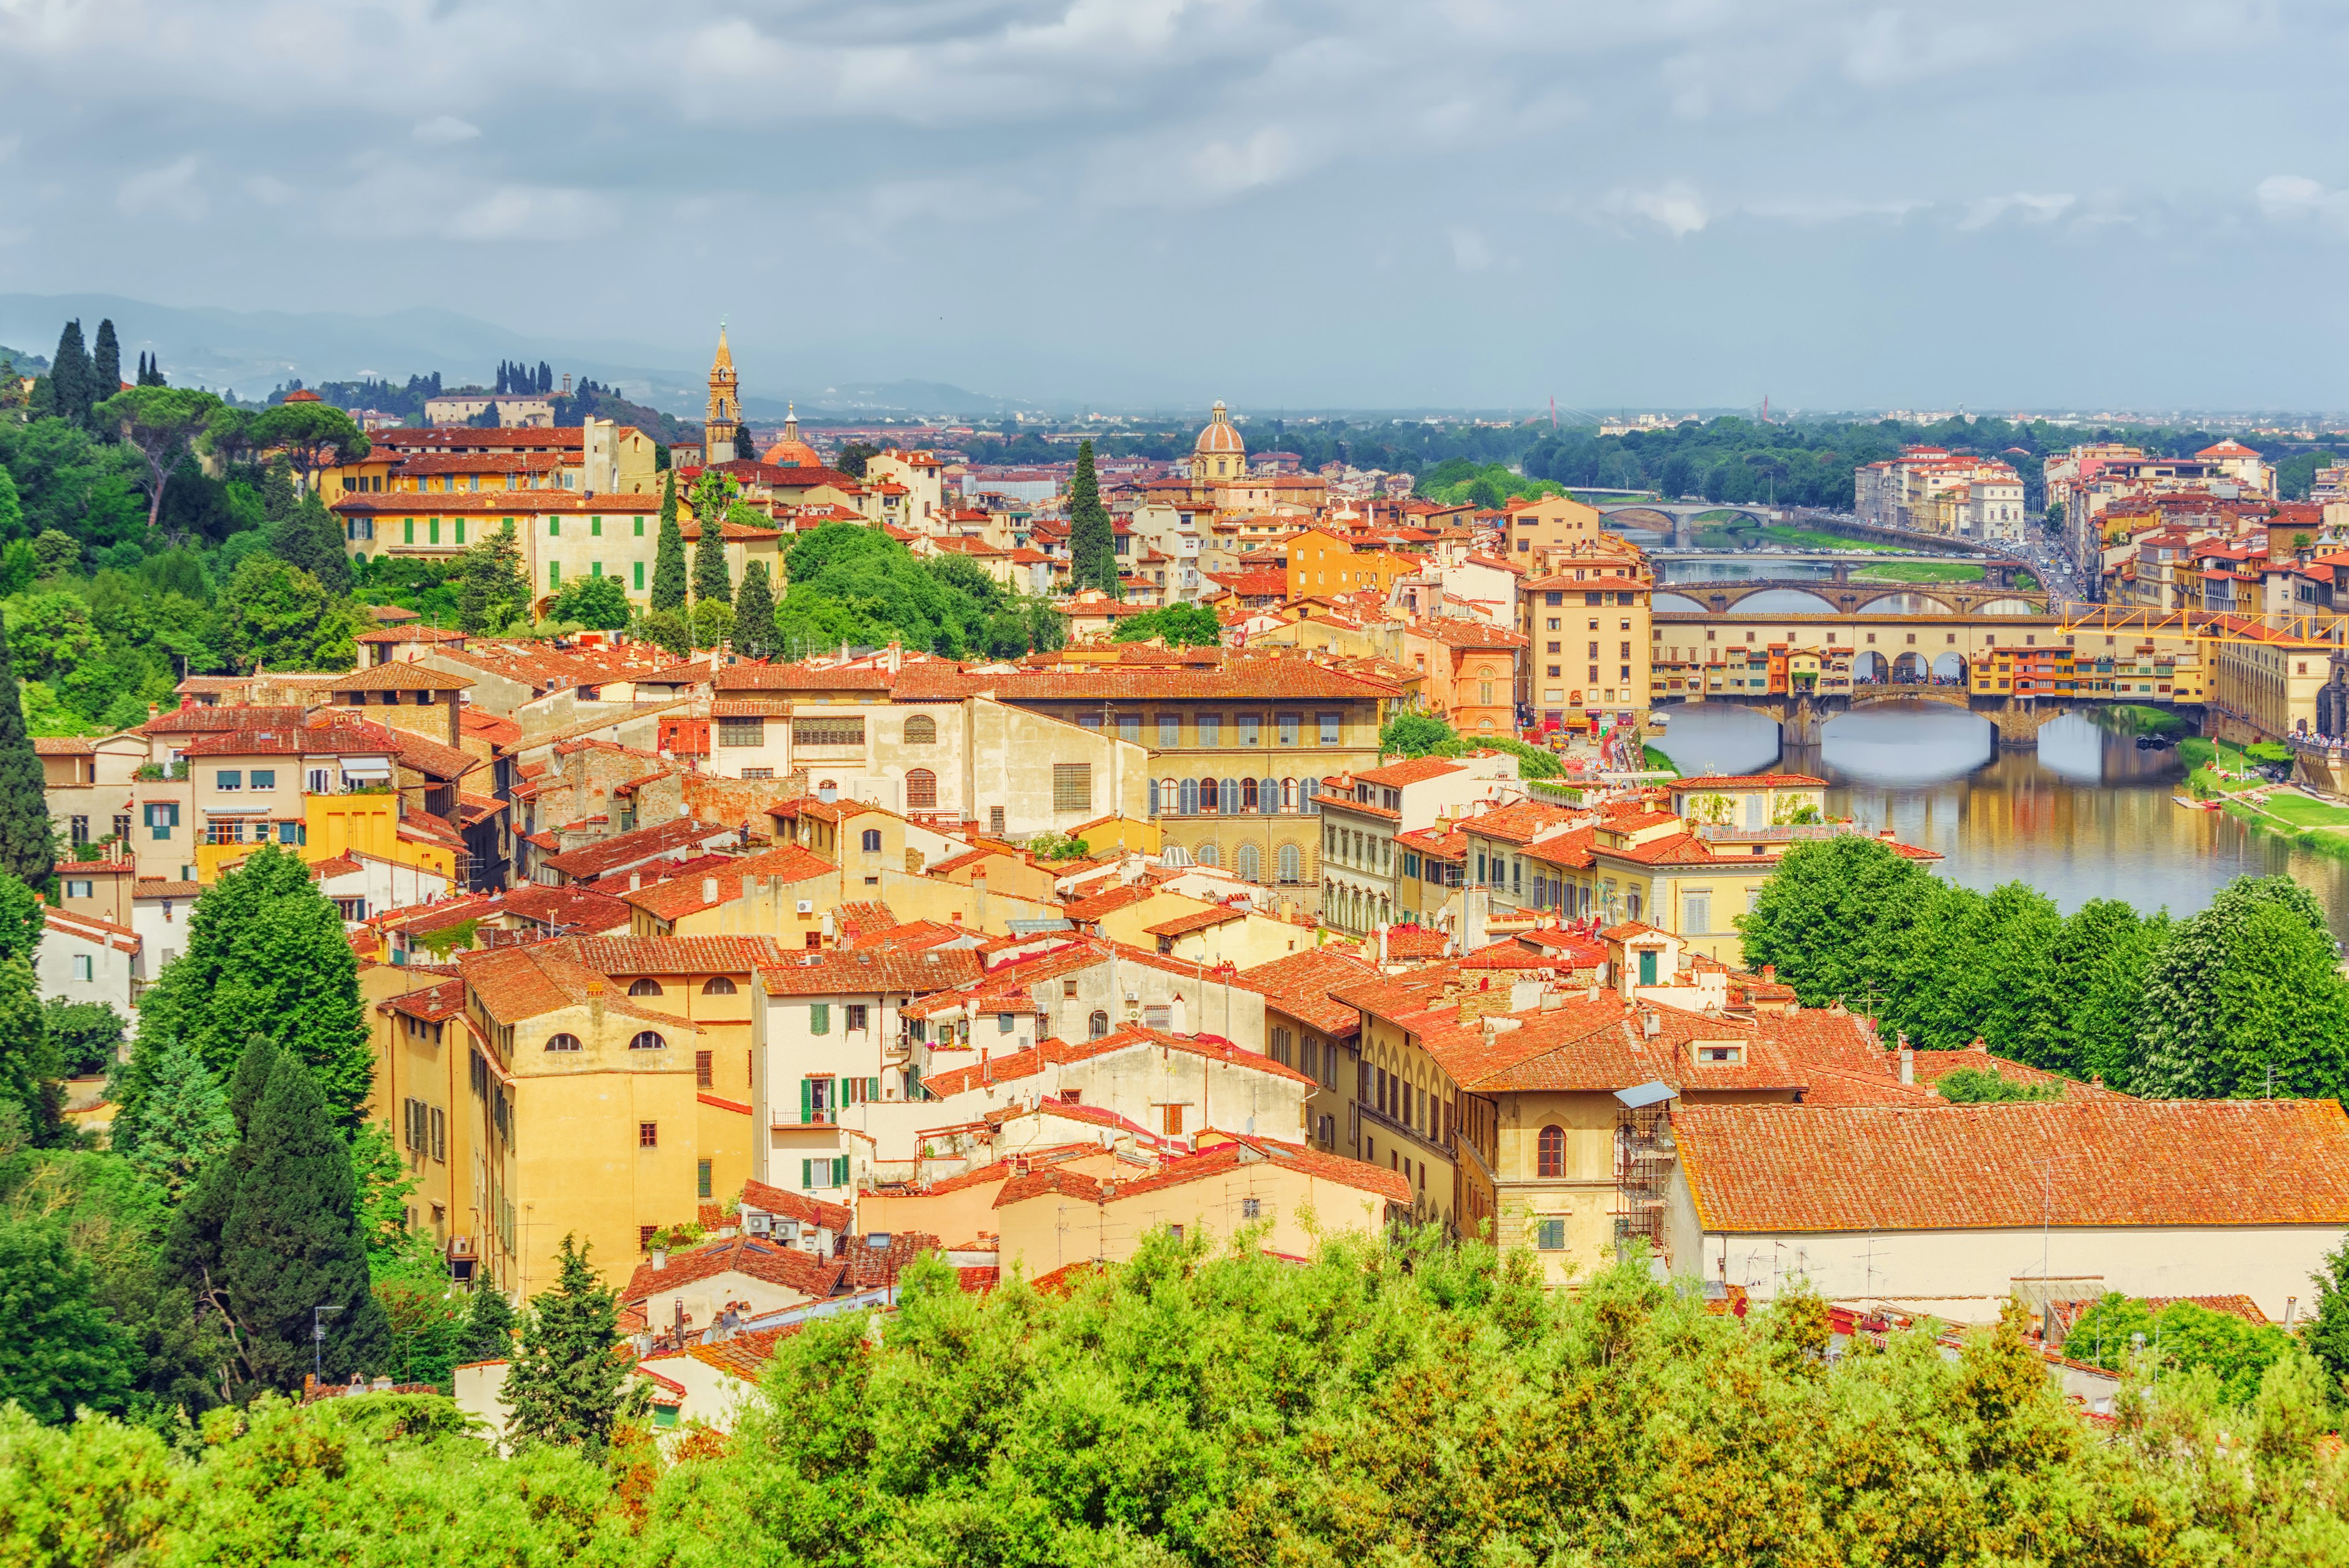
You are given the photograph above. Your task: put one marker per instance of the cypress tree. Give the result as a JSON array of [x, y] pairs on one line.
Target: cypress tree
[[710, 578], [488, 1332], [72, 382], [27, 841], [668, 555], [191, 1249], [106, 363], [183, 1122], [569, 1384], [755, 614], [293, 1242], [1092, 540], [309, 536]]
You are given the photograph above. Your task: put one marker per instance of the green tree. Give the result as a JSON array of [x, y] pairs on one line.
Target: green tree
[[2327, 1334], [1181, 625], [12, 525], [105, 362], [159, 423], [2245, 1000], [277, 615], [755, 614], [2099, 962], [309, 539], [666, 629], [489, 1321], [2181, 1337], [88, 1034], [292, 1242], [597, 602], [27, 841], [29, 1074], [1092, 538], [492, 592], [713, 622], [713, 496], [668, 552], [64, 1351], [73, 380], [310, 436], [569, 1386], [1418, 736], [1835, 918], [853, 456], [183, 1122], [266, 957], [1978, 1086]]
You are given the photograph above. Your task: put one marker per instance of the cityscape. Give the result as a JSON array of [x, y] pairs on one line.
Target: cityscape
[[638, 927]]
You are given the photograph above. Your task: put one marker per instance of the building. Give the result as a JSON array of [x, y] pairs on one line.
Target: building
[[723, 438], [1933, 1204], [516, 410], [1532, 526], [1219, 454], [1589, 643], [1364, 816], [560, 535], [593, 457], [1931, 490], [1470, 673]]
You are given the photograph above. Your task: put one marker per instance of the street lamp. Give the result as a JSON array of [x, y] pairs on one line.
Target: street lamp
[[318, 1339]]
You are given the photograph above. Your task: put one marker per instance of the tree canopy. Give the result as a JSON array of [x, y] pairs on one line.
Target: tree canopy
[[852, 583], [1178, 626]]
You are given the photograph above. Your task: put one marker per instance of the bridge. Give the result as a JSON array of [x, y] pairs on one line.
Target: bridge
[[1834, 663], [1680, 517], [1721, 597]]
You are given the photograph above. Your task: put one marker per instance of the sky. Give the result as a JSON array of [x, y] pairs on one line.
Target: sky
[[1285, 203]]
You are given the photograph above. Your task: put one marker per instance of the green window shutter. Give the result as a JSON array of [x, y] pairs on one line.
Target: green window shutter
[[871, 1088], [639, 574], [595, 527], [840, 1171], [820, 1018], [594, 568], [806, 1103], [807, 1173], [640, 527], [460, 530], [554, 527], [433, 530], [407, 530], [553, 574]]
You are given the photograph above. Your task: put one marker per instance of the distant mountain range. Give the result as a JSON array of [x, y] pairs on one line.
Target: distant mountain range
[[255, 351]]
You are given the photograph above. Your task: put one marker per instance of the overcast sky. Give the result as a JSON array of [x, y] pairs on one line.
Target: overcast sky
[[2099, 203]]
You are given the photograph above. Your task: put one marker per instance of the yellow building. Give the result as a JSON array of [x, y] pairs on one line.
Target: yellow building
[[1323, 565], [417, 1017], [320, 793], [1550, 522], [610, 1095], [2265, 681], [1219, 456], [1591, 642]]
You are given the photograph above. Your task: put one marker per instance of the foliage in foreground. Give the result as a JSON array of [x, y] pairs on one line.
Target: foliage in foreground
[[1403, 1405]]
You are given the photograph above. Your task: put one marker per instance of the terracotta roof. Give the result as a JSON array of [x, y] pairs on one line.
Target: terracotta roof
[[751, 1255], [644, 843], [1394, 775], [2018, 1166], [535, 503], [798, 678], [1053, 1052], [671, 955], [1219, 1160], [745, 1355], [397, 676], [580, 910], [514, 984], [1198, 920], [679, 896], [831, 1217], [869, 970], [1300, 984], [193, 720], [1093, 905], [61, 746]]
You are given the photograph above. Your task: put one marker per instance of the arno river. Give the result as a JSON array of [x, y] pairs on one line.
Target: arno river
[[2086, 816]]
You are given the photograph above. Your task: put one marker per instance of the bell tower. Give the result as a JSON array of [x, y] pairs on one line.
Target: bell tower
[[721, 425]]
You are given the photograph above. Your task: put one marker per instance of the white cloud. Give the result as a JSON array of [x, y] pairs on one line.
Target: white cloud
[[1469, 251], [268, 189], [1811, 210], [1674, 207], [445, 131], [1267, 157], [531, 212], [2296, 198], [2023, 205], [170, 190]]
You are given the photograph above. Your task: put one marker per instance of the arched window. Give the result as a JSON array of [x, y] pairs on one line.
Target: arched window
[[1231, 797], [1288, 795], [871, 841], [921, 792], [1209, 795], [1189, 797], [1291, 864], [1207, 854], [921, 730], [718, 985], [1267, 795], [1097, 1026], [644, 988], [1549, 1154], [648, 1041], [1248, 862], [1247, 796], [563, 1042], [1312, 804]]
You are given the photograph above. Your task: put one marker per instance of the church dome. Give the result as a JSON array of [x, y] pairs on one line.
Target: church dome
[[1220, 438], [789, 451]]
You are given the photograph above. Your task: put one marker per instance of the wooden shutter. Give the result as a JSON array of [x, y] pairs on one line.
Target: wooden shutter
[[807, 1103], [840, 1171]]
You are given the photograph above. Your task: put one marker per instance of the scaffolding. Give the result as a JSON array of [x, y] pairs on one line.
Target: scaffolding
[[1644, 1165]]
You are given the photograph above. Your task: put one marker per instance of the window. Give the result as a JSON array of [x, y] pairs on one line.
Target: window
[[1249, 727], [1097, 1026], [553, 568], [921, 730], [704, 1074], [440, 1134], [749, 774], [1549, 1152], [227, 780], [1549, 1235], [1248, 863], [122, 826], [870, 841], [718, 985], [1158, 1016], [701, 1175], [994, 821], [1170, 729], [1207, 854], [1211, 729], [1329, 727], [84, 966], [563, 1042], [1696, 913], [921, 790], [649, 1135], [644, 988], [595, 528], [856, 1011], [1290, 863], [645, 1234], [647, 1041], [819, 1017], [828, 732], [1129, 727], [76, 889], [743, 732], [264, 778], [1287, 727], [407, 530], [1251, 1209], [1072, 786], [1170, 1120]]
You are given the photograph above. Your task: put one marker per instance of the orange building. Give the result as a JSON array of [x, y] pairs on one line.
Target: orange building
[[1469, 671], [1321, 563]]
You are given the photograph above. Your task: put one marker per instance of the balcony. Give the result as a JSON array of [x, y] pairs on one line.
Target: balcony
[[814, 1117]]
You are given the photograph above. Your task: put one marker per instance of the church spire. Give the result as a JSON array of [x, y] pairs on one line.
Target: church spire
[[721, 422]]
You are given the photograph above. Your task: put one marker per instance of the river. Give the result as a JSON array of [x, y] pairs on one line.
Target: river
[[2086, 816]]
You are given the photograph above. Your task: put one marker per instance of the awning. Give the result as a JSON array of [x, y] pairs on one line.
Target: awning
[[367, 770], [236, 811], [1653, 1092]]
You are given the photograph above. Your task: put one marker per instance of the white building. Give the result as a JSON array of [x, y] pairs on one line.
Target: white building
[[81, 958]]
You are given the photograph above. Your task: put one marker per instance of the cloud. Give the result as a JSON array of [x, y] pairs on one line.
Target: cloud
[[1674, 207], [531, 212], [445, 131], [2296, 198], [1265, 157], [1469, 251], [2023, 205], [170, 190]]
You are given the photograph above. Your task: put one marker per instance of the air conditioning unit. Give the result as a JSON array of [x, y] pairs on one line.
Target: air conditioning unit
[[759, 1224], [460, 1246], [807, 905]]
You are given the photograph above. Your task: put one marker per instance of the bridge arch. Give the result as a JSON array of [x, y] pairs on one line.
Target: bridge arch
[[1666, 600], [1905, 601], [1951, 669], [1869, 667], [2008, 607], [1781, 601], [1909, 670]]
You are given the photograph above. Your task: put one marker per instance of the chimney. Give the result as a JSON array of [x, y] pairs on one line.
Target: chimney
[[1908, 1061], [595, 1003], [636, 880], [1383, 942], [709, 889], [1769, 974], [660, 1258]]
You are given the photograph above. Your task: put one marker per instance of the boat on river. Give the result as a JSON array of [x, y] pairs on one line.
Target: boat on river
[[2190, 804]]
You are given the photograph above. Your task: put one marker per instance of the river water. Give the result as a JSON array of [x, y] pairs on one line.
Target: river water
[[2086, 816]]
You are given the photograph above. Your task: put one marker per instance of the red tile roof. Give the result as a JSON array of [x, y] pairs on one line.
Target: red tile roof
[[1300, 985], [760, 1259], [1053, 1052], [644, 843], [2019, 1165], [869, 970], [831, 1217]]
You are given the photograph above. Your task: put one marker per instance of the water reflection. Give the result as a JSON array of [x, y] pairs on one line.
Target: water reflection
[[2086, 815], [1740, 569]]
